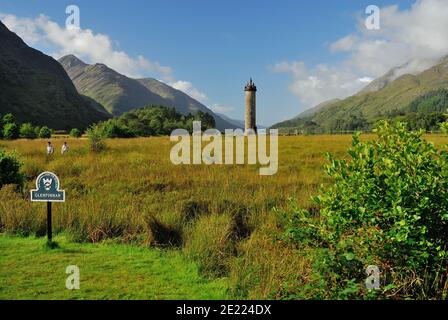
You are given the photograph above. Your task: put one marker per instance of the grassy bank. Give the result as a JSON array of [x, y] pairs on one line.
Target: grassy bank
[[29, 270]]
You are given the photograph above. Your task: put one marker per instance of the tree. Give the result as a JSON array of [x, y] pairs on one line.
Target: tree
[[27, 131], [45, 133], [37, 131], [11, 131], [444, 128], [10, 170], [1, 127], [96, 138], [75, 133], [8, 118]]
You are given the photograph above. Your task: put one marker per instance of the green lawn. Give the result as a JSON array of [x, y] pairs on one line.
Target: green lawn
[[30, 270]]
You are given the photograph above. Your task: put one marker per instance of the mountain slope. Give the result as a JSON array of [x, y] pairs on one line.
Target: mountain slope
[[309, 113], [120, 94], [383, 97], [395, 96], [239, 123], [35, 88]]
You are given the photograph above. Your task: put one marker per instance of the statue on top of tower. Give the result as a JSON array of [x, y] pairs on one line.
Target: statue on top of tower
[[250, 86]]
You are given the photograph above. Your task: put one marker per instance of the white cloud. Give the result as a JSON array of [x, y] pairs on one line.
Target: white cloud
[[84, 43], [414, 39], [324, 82], [216, 107], [189, 89], [365, 80], [92, 48], [343, 44]]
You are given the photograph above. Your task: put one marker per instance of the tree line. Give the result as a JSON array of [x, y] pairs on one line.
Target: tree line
[[11, 129], [152, 121], [144, 122]]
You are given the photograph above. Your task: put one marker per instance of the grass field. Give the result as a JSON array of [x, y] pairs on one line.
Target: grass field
[[219, 218], [30, 270]]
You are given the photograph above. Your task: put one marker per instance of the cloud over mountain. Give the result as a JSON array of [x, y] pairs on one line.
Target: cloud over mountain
[[93, 48], [415, 37]]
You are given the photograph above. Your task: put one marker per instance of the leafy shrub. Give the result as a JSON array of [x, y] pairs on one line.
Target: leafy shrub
[[10, 131], [8, 118], [45, 133], [388, 207], [10, 170], [444, 128], [96, 139], [75, 133], [27, 131]]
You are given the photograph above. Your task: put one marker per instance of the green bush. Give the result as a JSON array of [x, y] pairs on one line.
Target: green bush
[[444, 128], [96, 139], [8, 118], [45, 133], [10, 131], [27, 131], [75, 133], [10, 170], [387, 207]]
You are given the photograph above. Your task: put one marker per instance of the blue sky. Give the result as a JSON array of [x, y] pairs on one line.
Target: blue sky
[[217, 45]]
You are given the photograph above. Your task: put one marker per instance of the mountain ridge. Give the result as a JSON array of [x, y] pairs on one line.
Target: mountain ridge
[[35, 88], [119, 93], [383, 98]]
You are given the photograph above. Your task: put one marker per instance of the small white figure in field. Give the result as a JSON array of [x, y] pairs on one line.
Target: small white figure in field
[[64, 148], [50, 149]]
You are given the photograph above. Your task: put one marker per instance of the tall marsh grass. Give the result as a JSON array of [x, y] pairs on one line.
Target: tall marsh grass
[[220, 216]]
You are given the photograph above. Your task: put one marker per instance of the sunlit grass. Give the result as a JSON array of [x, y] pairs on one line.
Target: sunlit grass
[[219, 216]]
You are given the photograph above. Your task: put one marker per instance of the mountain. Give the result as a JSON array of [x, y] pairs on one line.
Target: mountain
[[35, 88], [411, 67], [309, 113], [120, 94], [383, 98], [239, 123]]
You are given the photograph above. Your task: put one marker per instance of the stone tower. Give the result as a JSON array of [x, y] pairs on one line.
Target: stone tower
[[251, 91]]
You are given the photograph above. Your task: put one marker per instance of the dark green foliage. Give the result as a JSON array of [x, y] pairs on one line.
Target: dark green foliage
[[45, 133], [27, 131], [75, 133], [153, 121], [418, 120], [435, 101], [354, 122], [8, 118], [10, 131], [10, 170], [387, 207]]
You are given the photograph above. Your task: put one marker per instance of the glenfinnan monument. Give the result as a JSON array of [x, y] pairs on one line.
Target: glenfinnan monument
[[251, 91]]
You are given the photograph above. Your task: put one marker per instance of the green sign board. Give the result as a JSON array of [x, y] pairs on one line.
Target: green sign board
[[47, 185]]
